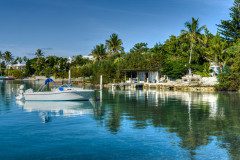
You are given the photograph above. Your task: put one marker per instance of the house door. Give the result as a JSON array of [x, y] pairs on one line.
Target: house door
[[146, 76]]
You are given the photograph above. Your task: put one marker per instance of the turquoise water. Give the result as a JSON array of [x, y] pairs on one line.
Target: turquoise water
[[125, 125]]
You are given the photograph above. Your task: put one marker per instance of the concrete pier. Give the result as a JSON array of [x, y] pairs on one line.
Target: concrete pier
[[163, 87], [178, 87]]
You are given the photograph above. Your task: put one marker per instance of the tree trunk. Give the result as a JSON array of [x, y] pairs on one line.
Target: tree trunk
[[190, 58]]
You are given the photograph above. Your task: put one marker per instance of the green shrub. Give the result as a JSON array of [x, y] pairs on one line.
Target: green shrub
[[228, 82], [19, 74]]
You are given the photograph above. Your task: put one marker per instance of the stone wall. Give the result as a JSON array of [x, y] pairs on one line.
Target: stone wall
[[165, 87]]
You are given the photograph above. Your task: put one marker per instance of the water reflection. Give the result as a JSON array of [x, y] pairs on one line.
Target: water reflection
[[6, 95], [195, 117], [195, 100], [199, 120], [49, 109], [190, 99]]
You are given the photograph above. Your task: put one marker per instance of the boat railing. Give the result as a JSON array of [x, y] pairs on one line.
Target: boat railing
[[41, 88], [47, 81]]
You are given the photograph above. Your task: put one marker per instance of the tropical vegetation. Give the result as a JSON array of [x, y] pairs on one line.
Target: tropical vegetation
[[190, 52]]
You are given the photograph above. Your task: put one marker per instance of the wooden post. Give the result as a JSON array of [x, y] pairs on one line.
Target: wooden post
[[69, 72], [101, 83], [69, 76]]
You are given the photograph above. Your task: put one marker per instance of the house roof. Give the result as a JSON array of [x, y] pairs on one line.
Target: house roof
[[138, 70], [17, 65]]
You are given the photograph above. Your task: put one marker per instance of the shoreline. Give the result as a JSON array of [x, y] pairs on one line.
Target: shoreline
[[144, 86], [163, 87], [180, 87]]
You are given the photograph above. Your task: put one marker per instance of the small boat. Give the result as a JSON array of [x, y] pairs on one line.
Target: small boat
[[62, 93], [6, 78]]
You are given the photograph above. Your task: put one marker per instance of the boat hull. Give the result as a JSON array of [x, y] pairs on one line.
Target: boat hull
[[59, 96]]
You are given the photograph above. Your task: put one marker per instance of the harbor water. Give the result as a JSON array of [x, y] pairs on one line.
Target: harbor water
[[124, 125]]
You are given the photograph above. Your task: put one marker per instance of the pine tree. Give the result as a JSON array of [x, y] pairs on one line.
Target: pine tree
[[230, 29]]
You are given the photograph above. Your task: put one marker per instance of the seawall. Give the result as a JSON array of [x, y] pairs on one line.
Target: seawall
[[172, 87]]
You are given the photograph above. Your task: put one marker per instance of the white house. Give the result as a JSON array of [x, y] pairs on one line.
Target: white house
[[89, 57], [215, 69], [150, 76], [143, 76], [18, 66]]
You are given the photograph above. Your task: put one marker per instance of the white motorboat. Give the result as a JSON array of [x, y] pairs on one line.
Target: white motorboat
[[62, 93], [68, 95]]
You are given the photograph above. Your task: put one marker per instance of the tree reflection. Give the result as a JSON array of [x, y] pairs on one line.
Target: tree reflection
[[114, 120], [230, 126], [195, 117]]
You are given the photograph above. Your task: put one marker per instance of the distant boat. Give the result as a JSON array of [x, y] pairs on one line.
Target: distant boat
[[62, 93], [6, 78]]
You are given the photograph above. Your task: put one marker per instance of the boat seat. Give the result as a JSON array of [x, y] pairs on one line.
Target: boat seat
[[61, 89]]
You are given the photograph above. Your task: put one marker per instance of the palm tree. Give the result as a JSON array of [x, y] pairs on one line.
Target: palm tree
[[25, 59], [192, 32], [99, 52], [20, 60], [157, 48], [8, 57], [15, 61], [1, 56], [139, 48], [40, 62], [217, 46], [39, 53], [114, 44]]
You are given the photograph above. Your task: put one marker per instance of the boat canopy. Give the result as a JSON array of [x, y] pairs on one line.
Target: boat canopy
[[49, 80]]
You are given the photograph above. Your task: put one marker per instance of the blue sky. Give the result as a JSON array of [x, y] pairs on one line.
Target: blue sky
[[69, 27]]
